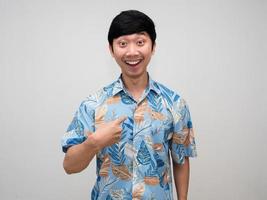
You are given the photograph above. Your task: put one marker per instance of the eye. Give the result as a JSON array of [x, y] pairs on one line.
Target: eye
[[122, 44], [140, 42]]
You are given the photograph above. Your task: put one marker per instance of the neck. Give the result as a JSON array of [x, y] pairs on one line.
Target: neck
[[136, 86]]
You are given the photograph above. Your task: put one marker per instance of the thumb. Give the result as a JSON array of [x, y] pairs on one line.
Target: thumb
[[120, 119]]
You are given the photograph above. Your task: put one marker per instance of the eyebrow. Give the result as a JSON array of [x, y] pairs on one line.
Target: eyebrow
[[141, 33]]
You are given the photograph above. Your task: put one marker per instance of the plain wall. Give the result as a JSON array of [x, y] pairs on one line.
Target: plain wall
[[55, 53]]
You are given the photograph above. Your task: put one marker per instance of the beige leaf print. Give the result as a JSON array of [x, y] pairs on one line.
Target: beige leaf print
[[157, 116], [140, 112], [151, 180], [100, 115], [122, 172], [138, 191], [176, 116], [157, 147], [105, 166], [113, 100], [189, 136], [129, 150], [178, 138], [186, 138], [166, 177]]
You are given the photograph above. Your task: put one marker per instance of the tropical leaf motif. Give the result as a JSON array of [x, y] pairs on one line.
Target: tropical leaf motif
[[113, 100], [176, 97], [94, 194], [116, 154], [96, 97], [109, 197], [121, 171], [178, 138], [127, 127], [105, 185], [143, 155], [126, 99], [140, 112], [186, 138], [120, 194], [166, 177], [164, 180], [127, 195], [182, 104], [167, 90], [153, 180], [168, 95], [117, 194], [189, 132], [157, 146], [157, 116], [167, 98], [151, 175], [155, 102], [152, 101], [105, 167], [128, 123], [109, 89], [129, 150], [138, 191], [160, 162], [176, 116], [100, 115], [77, 126]]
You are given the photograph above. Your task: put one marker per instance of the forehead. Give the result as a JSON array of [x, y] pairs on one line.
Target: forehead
[[133, 36]]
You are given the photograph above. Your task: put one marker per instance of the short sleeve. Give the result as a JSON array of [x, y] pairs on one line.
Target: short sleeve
[[83, 121], [183, 138]]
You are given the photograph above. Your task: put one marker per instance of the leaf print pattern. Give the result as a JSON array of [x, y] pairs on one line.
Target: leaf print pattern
[[158, 147], [100, 115], [138, 165], [157, 116], [125, 99], [143, 155], [113, 100], [151, 180], [122, 172], [116, 154], [77, 126], [138, 191], [117, 194], [160, 163], [186, 138], [105, 167], [140, 112]]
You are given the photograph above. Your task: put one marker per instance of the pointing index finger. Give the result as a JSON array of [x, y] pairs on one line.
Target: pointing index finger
[[120, 119]]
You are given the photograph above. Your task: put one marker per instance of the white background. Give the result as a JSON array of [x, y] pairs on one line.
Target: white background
[[54, 53]]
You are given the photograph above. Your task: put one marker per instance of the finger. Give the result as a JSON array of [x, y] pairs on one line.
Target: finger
[[120, 119]]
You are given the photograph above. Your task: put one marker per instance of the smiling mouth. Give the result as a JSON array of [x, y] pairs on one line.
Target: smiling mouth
[[132, 62]]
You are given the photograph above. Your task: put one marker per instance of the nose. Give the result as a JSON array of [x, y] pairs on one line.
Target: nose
[[132, 50]]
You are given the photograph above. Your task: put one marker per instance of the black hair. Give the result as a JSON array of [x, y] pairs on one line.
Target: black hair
[[130, 22]]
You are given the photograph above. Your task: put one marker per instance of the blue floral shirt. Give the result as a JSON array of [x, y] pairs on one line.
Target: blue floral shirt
[[138, 166]]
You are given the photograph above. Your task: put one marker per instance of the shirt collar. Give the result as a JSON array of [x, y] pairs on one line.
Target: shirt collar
[[118, 86]]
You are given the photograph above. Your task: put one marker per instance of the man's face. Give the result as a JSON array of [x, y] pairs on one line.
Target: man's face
[[133, 53]]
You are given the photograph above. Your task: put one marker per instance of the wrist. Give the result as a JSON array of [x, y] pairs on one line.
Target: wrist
[[92, 143], [182, 197]]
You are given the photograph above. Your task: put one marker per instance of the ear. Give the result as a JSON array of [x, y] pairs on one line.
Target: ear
[[154, 47], [111, 50]]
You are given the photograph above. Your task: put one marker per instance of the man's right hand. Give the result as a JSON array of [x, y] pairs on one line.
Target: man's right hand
[[107, 134]]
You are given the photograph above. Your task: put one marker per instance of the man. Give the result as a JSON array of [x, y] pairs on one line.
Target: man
[[132, 124]]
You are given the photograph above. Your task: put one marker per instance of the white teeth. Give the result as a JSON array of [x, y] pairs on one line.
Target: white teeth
[[132, 62]]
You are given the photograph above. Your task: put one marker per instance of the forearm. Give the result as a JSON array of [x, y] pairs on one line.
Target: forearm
[[78, 157], [181, 178]]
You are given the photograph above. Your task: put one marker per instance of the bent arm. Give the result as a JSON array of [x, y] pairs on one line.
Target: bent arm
[[78, 157], [181, 177]]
